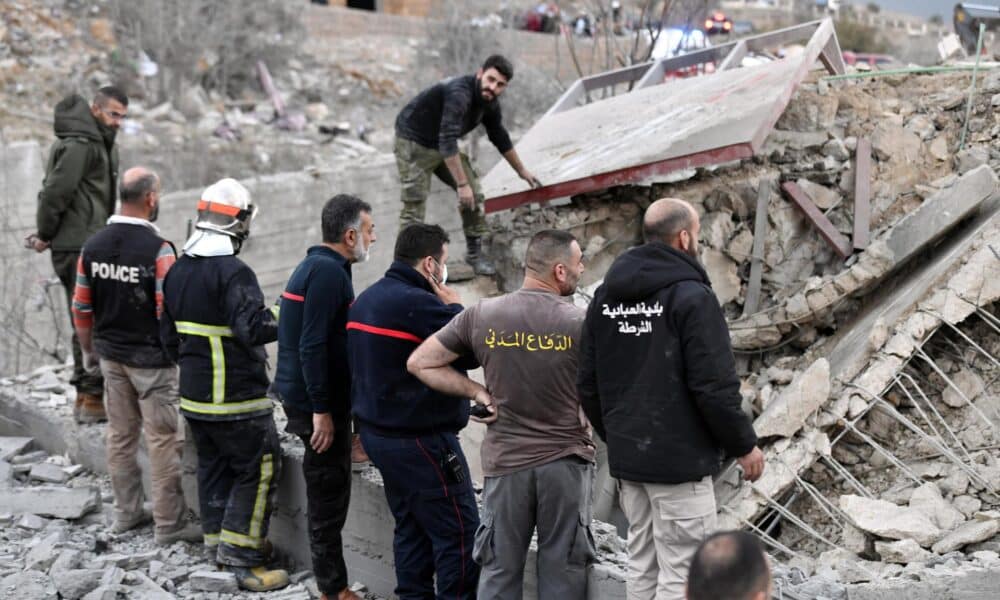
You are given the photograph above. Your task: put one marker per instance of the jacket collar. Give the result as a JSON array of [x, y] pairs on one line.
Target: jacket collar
[[403, 272], [321, 250], [123, 220]]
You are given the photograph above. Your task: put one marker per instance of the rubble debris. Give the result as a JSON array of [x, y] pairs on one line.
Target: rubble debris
[[804, 395], [968, 533], [12, 446], [928, 500], [213, 581], [56, 502], [888, 520], [902, 552]]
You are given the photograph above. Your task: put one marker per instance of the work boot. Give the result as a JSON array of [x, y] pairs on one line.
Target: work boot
[[260, 579], [358, 454], [89, 408], [475, 257], [186, 532], [344, 594], [123, 525]]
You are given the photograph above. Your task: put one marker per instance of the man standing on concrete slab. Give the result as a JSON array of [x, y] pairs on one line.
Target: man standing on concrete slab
[[427, 133], [538, 455], [77, 197], [215, 324], [409, 430], [658, 381], [729, 564], [116, 307], [313, 380]]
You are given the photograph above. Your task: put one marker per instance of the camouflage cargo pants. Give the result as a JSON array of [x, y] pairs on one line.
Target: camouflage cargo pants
[[416, 164]]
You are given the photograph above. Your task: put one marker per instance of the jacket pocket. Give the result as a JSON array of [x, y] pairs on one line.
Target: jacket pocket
[[584, 550], [482, 548]]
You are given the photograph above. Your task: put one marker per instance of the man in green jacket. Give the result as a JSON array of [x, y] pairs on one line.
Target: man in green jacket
[[77, 197]]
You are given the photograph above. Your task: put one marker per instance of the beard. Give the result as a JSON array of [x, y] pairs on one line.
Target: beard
[[155, 214], [361, 252]]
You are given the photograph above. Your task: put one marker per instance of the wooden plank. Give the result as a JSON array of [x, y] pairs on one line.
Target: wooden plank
[[840, 244], [752, 302], [862, 193]]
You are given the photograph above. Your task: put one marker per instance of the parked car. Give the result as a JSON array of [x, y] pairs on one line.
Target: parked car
[[867, 58], [742, 27], [717, 23]]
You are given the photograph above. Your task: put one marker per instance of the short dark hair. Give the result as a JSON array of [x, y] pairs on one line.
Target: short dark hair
[[547, 248], [420, 240], [340, 213], [675, 219], [728, 564], [501, 64], [135, 190], [110, 92]]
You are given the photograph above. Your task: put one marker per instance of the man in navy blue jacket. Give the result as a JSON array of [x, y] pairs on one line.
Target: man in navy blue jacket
[[409, 430], [313, 382]]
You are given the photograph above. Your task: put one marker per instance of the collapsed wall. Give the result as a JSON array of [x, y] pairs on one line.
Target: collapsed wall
[[829, 337]]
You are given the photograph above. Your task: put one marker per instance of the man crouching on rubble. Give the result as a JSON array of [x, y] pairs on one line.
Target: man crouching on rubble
[[427, 132], [658, 382]]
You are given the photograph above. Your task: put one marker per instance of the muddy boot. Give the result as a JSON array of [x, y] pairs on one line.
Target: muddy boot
[[475, 257], [186, 532], [89, 408], [358, 454], [260, 579], [123, 525]]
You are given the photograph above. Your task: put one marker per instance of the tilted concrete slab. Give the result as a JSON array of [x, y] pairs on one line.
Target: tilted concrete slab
[[686, 123]]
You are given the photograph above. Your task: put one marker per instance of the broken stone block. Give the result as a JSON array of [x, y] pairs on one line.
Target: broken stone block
[[28, 584], [807, 392], [970, 158], [928, 500], [77, 583], [722, 272], [902, 552], [31, 522], [921, 125], [822, 196], [45, 553], [213, 581], [6, 475], [47, 382], [48, 473], [12, 446], [29, 457], [887, 520], [967, 533], [970, 384], [967, 505], [955, 484], [853, 539], [939, 149], [892, 142], [56, 502], [740, 247], [836, 149]]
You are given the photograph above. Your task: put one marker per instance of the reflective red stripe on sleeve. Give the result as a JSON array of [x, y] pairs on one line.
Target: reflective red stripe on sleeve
[[393, 333], [295, 297]]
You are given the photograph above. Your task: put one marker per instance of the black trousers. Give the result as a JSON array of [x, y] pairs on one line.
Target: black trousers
[[328, 493], [239, 463], [64, 264]]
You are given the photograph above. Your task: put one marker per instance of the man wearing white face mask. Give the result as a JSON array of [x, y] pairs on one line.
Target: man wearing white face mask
[[409, 430], [312, 380]]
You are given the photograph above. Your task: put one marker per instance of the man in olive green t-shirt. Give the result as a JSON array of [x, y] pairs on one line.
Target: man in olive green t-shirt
[[538, 454]]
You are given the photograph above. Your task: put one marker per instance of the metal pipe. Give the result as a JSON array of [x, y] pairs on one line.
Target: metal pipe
[[972, 88], [907, 71]]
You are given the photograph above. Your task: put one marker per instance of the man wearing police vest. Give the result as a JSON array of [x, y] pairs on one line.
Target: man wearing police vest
[[116, 307], [216, 324]]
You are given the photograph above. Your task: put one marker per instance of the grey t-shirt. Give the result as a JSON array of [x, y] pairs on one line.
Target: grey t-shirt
[[528, 345]]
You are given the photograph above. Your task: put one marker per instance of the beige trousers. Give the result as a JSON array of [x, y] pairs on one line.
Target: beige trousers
[[666, 525], [144, 401]]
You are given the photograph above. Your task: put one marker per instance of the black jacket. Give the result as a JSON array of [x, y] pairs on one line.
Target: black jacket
[[312, 374], [119, 263], [215, 325], [448, 110], [657, 375], [387, 322]]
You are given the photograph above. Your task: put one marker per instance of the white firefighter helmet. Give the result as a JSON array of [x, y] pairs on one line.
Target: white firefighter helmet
[[225, 207]]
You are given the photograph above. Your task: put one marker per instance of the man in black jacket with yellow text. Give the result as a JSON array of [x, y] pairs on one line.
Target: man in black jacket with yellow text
[[658, 382]]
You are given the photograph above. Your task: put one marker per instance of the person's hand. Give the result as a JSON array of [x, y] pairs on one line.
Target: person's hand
[[466, 198], [91, 362], [531, 179], [445, 293], [322, 436], [33, 242], [485, 399], [753, 464]]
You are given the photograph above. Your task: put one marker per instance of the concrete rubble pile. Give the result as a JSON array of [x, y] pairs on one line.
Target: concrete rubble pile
[[55, 539], [816, 372]]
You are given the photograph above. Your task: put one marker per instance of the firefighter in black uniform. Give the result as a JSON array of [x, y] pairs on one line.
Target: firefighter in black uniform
[[216, 323]]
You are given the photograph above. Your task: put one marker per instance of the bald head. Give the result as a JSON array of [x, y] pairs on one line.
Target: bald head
[[729, 564], [140, 193], [667, 220]]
